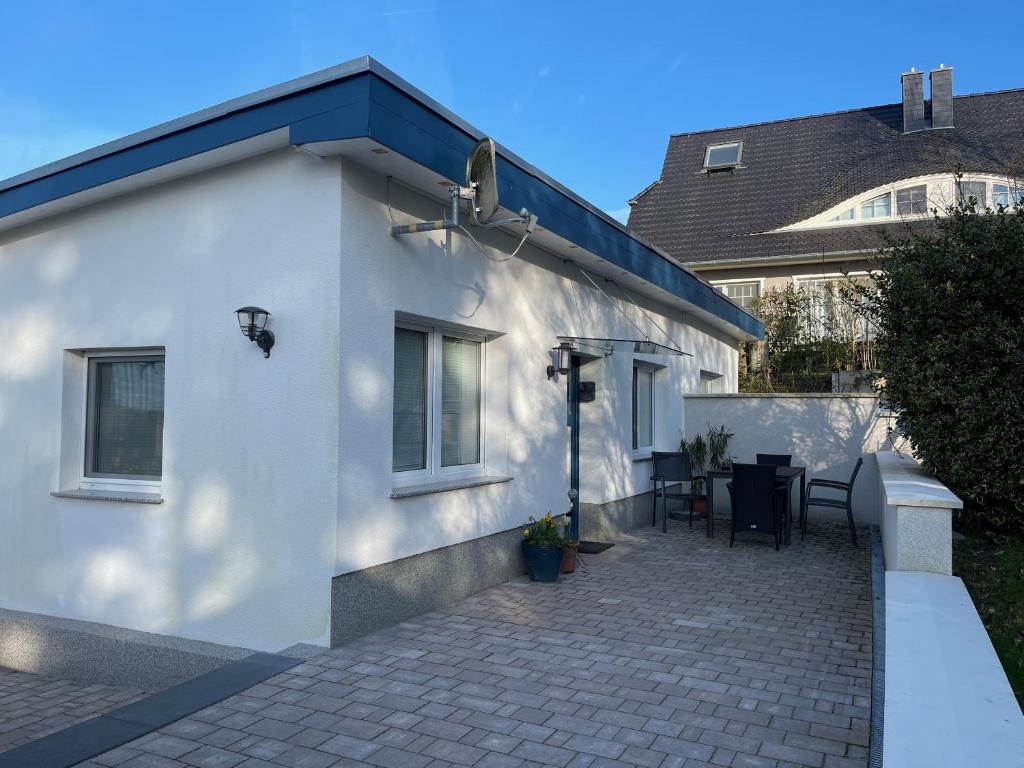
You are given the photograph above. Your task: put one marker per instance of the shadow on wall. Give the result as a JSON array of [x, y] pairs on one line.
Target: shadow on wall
[[824, 433]]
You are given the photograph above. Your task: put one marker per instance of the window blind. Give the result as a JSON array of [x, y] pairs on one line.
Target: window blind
[[409, 430], [127, 418], [460, 401]]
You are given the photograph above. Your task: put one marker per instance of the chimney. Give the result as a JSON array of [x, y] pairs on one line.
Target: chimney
[[913, 101], [942, 97]]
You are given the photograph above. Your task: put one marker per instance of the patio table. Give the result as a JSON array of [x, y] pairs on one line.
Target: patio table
[[789, 474]]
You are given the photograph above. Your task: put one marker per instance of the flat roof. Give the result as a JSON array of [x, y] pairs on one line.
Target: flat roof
[[363, 98]]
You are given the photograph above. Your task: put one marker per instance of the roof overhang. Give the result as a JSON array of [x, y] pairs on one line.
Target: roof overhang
[[362, 101]]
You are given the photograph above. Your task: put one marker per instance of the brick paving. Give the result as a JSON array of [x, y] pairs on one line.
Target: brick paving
[[669, 651], [32, 706]]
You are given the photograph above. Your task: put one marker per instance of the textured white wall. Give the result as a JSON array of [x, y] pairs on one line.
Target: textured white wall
[[242, 549], [825, 433], [529, 300], [277, 472]]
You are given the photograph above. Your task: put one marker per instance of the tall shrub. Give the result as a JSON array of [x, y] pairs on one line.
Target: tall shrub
[[951, 350]]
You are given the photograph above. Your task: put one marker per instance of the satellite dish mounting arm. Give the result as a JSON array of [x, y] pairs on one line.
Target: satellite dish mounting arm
[[481, 191]]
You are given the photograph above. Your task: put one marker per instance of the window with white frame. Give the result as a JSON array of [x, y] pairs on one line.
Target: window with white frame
[[877, 207], [1007, 196], [968, 190], [742, 293], [912, 201], [643, 407], [438, 396], [710, 382], [832, 308], [124, 421]]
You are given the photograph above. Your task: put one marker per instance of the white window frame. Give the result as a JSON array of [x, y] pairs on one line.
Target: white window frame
[[802, 282], [718, 285], [435, 349], [643, 451], [88, 482], [707, 155], [941, 192]]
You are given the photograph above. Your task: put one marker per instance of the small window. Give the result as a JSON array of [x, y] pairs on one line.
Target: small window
[[124, 427], [912, 201], [723, 155], [742, 293], [846, 215], [436, 411], [710, 382], [643, 408], [966, 190], [1004, 195], [877, 207]]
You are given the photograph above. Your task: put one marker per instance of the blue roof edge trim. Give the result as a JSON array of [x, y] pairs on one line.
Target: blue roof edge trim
[[363, 98]]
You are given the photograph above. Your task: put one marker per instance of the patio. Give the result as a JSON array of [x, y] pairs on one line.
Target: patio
[[31, 706], [667, 650]]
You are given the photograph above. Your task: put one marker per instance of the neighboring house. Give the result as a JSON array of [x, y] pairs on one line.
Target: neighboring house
[[160, 474], [805, 200]]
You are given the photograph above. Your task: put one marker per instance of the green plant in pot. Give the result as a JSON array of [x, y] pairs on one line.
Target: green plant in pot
[[718, 447], [698, 452], [544, 547]]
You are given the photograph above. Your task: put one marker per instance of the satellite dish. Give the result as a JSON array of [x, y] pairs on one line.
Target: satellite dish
[[482, 178]]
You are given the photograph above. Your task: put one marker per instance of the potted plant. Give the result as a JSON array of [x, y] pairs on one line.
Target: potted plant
[[544, 548], [718, 447], [698, 451]]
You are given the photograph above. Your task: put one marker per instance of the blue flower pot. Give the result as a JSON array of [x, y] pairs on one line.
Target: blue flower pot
[[542, 563]]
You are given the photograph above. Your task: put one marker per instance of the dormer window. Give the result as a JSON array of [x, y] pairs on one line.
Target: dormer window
[[912, 201], [723, 155], [877, 207], [971, 189]]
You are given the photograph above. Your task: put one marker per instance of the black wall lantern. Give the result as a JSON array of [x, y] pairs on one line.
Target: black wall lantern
[[563, 353], [253, 321]]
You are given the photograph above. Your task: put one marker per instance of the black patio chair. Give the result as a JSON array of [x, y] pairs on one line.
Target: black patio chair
[[757, 501], [833, 503], [775, 459], [674, 468]]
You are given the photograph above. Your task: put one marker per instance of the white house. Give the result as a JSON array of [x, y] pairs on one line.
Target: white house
[[160, 474]]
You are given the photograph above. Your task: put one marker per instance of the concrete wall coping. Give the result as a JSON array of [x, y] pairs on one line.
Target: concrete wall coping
[[947, 699], [781, 395], [906, 484]]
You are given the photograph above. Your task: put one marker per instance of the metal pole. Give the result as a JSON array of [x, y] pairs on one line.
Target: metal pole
[[574, 444]]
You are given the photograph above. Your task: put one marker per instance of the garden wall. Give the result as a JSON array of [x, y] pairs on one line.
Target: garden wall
[[825, 432]]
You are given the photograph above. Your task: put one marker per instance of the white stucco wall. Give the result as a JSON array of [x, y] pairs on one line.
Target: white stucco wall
[[826, 433], [277, 473], [242, 549], [529, 301]]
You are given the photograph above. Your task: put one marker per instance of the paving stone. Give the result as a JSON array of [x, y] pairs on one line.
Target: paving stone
[[678, 652]]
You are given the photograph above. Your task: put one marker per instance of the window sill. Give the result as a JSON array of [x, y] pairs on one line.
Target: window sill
[[442, 486], [119, 496], [639, 456]]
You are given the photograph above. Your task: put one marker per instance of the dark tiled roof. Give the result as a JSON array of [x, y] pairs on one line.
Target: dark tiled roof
[[794, 169]]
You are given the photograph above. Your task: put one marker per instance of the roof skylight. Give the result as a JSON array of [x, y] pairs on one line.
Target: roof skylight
[[723, 155]]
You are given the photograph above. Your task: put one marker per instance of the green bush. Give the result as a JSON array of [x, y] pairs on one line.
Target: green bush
[[951, 350]]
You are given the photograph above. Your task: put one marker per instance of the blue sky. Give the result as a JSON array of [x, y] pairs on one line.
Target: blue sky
[[587, 91]]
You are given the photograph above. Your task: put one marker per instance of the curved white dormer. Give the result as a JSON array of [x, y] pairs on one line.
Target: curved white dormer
[[913, 198]]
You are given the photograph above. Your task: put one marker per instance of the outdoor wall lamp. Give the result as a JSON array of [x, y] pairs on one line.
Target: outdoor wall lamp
[[253, 321], [563, 354]]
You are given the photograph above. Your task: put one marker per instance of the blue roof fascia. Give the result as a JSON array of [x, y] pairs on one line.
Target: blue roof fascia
[[413, 130], [350, 94], [364, 99]]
